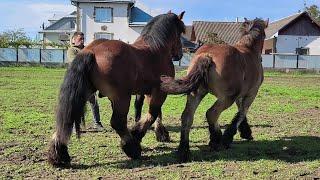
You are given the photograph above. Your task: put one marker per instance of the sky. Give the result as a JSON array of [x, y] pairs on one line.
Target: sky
[[30, 14]]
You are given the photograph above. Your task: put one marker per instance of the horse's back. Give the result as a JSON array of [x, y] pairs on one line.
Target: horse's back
[[115, 64], [226, 76]]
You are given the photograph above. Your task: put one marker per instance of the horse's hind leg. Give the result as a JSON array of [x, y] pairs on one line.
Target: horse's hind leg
[[138, 103], [243, 106], [162, 134], [239, 121], [129, 144], [156, 100], [193, 101], [212, 115]]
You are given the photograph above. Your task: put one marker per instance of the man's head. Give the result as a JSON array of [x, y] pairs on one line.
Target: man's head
[[78, 39]]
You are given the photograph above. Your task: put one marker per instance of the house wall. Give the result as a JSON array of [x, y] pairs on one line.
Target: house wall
[[288, 44], [119, 27], [51, 37]]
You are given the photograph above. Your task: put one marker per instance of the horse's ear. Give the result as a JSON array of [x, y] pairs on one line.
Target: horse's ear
[[169, 12], [181, 15], [266, 22]]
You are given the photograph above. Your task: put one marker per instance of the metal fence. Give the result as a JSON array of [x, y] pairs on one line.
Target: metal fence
[[276, 61], [283, 61], [33, 55]]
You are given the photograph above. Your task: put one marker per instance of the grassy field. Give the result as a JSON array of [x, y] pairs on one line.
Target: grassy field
[[285, 120]]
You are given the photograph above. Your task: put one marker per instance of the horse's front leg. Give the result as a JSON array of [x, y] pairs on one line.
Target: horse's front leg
[[156, 100]]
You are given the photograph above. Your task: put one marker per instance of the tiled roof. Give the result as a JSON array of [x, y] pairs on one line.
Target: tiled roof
[[190, 34], [226, 31]]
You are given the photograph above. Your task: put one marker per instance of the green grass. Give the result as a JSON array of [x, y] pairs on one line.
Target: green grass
[[284, 117]]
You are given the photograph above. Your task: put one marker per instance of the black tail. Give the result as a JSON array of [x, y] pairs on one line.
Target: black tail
[[197, 76], [74, 92]]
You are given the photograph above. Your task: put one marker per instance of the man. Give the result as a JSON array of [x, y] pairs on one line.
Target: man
[[76, 47]]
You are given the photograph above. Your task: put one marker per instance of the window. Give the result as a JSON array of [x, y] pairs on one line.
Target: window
[[102, 14], [103, 36], [73, 24], [302, 51]]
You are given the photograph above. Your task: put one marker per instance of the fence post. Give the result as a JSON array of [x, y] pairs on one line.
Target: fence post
[[17, 54], [297, 61], [63, 56], [40, 57], [273, 60]]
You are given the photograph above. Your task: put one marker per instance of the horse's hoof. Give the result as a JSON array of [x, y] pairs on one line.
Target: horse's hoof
[[183, 153], [215, 146], [58, 155], [132, 148], [248, 138], [184, 156], [227, 141], [162, 135]]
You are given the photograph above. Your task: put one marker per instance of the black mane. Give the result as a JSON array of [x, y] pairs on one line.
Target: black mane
[[161, 29], [252, 31]]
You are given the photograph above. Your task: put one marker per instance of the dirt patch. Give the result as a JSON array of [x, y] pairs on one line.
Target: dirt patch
[[312, 113]]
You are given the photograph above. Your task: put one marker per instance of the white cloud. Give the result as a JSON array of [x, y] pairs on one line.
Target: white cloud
[[29, 15], [153, 12], [48, 10]]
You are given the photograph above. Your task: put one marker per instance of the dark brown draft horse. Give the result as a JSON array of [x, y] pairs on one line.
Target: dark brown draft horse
[[232, 74], [118, 70]]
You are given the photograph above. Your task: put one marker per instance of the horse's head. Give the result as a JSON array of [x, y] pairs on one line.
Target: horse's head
[[176, 51], [253, 33], [163, 33]]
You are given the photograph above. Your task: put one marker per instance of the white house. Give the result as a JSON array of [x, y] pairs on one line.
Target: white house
[[110, 19], [296, 34], [59, 29]]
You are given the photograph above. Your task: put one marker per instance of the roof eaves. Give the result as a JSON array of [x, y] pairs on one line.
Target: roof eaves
[[103, 1], [57, 31], [57, 21]]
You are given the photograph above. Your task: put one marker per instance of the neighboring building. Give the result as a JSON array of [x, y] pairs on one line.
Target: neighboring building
[[188, 39], [296, 34], [110, 19], [226, 31], [59, 29]]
